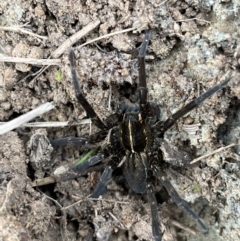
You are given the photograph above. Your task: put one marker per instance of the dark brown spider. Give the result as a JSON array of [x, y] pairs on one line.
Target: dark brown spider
[[137, 133]]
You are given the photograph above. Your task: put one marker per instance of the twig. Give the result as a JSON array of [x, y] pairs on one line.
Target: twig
[[68, 175], [74, 38], [55, 201], [214, 152], [69, 42], [26, 117], [4, 58], [22, 30]]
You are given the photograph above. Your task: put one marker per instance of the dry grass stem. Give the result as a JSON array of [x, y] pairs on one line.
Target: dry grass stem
[[179, 225], [53, 124], [8, 126], [106, 36], [94, 199], [108, 200], [19, 29], [212, 153], [4, 58], [72, 205], [191, 19], [115, 218]]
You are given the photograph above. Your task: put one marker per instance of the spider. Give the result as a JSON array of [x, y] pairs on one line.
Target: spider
[[137, 133]]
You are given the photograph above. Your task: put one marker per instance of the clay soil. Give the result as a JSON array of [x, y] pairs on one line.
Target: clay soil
[[194, 45]]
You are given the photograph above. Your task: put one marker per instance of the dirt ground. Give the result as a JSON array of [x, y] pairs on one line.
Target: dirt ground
[[193, 45]]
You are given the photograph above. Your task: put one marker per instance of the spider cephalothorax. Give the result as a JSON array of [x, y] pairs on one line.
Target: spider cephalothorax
[[137, 134]]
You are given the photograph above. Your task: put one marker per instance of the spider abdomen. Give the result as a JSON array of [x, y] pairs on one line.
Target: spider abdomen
[[135, 133]]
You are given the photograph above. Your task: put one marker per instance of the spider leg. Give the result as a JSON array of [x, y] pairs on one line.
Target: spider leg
[[68, 141], [107, 173], [91, 161], [81, 98], [162, 127], [154, 213], [177, 199], [101, 186], [79, 141], [142, 71], [149, 109]]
